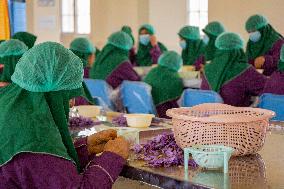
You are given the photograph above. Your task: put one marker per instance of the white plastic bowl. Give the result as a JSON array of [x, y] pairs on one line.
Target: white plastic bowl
[[88, 110], [139, 120]]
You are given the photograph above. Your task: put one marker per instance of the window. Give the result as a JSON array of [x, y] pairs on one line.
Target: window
[[198, 13], [76, 16]]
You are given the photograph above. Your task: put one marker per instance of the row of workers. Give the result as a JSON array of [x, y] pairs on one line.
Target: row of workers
[[235, 82]]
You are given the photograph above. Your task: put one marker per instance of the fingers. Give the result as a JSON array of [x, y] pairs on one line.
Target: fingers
[[118, 146]]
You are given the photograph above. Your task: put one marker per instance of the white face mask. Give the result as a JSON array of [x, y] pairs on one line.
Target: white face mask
[[144, 39], [255, 36], [205, 39], [182, 44]]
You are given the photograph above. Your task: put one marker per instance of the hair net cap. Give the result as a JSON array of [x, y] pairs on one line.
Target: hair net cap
[[126, 29], [82, 45], [189, 32], [48, 67], [26, 37], [214, 28], [255, 22], [171, 60], [229, 41], [12, 47], [120, 40], [147, 27]]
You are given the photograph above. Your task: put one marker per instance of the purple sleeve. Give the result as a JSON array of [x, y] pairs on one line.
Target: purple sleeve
[[162, 108], [82, 151], [204, 84], [251, 62], [28, 170], [155, 53], [200, 61], [103, 171], [132, 56], [254, 81], [272, 58], [123, 72], [81, 101], [86, 72]]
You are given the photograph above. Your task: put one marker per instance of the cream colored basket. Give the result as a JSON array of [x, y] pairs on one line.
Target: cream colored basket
[[243, 129]]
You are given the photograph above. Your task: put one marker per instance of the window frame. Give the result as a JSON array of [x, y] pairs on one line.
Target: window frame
[[75, 19], [199, 11]]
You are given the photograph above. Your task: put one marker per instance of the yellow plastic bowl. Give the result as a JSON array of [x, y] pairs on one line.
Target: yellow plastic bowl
[[188, 68], [139, 120], [88, 110]]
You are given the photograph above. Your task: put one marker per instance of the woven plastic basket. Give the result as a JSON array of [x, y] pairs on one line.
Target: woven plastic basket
[[243, 129]]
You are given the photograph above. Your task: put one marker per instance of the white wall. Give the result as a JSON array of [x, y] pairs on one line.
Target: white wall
[[44, 21], [107, 16], [168, 17], [234, 13]]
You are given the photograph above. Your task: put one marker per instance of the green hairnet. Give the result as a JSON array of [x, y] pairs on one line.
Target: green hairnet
[[214, 28], [171, 60], [12, 47], [26, 37], [255, 22], [120, 40], [147, 27], [229, 41], [128, 30], [48, 67], [189, 32], [82, 45]]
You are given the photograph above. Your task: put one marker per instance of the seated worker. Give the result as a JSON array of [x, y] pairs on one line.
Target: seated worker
[[39, 151], [264, 44], [113, 64], [192, 47], [10, 53], [275, 84], [149, 48], [230, 75], [167, 86]]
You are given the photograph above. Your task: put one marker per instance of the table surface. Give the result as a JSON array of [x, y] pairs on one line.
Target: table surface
[[262, 170]]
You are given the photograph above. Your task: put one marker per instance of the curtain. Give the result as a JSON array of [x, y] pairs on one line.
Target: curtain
[[4, 20]]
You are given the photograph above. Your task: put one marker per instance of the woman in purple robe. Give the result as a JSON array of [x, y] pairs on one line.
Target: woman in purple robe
[[263, 47], [36, 148], [113, 64], [275, 83], [230, 75]]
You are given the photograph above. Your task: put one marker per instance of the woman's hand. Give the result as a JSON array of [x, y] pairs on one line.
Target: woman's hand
[[153, 40], [118, 146], [259, 61], [96, 142]]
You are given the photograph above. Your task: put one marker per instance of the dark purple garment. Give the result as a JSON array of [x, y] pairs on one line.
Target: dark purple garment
[[238, 91], [200, 61], [132, 55], [34, 171], [155, 53], [81, 101], [275, 84], [1, 68], [123, 72], [271, 58], [86, 72], [162, 108]]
